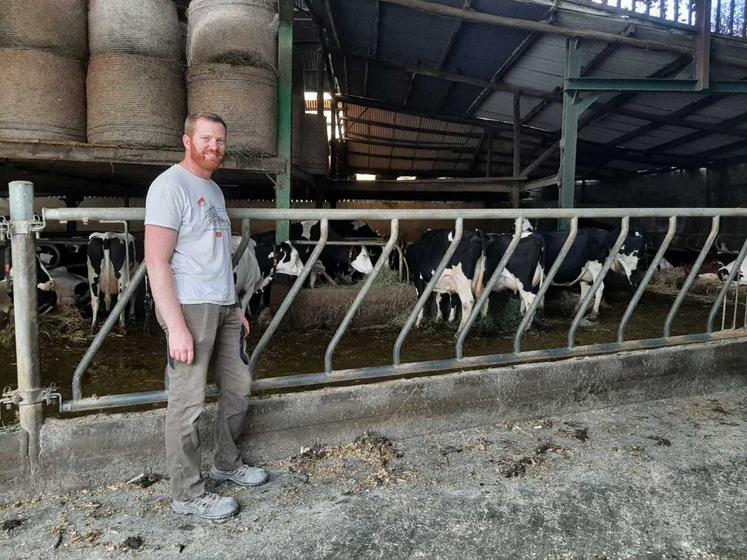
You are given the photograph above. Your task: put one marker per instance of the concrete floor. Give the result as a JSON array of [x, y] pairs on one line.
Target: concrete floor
[[662, 479]]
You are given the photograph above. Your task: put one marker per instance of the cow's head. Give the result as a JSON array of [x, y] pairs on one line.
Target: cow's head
[[287, 258], [724, 271], [631, 258], [360, 259]]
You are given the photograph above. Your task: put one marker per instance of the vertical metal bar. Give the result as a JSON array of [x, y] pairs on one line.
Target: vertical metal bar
[[106, 328], [703, 43], [725, 288], [736, 303], [320, 83], [486, 291], [718, 15], [26, 317], [676, 10], [292, 293], [285, 94], [569, 133], [595, 287], [383, 259], [246, 232], [458, 231], [646, 278], [731, 17], [529, 315], [691, 277], [515, 189]]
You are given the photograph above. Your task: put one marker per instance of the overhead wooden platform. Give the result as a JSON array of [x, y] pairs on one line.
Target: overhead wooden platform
[[75, 169]]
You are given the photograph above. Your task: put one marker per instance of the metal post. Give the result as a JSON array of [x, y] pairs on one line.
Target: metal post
[[703, 42], [31, 416], [515, 190], [569, 134], [320, 83], [285, 93]]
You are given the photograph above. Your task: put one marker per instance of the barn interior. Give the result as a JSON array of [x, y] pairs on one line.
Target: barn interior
[[477, 103]]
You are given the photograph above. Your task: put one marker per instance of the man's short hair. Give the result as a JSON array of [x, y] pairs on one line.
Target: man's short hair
[[191, 120]]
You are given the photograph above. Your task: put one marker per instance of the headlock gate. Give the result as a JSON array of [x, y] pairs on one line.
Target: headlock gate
[[23, 223]]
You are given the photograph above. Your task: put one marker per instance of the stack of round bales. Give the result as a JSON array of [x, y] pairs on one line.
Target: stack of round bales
[[135, 83], [42, 53], [232, 57]]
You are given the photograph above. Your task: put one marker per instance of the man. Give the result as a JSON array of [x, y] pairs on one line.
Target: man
[[188, 255]]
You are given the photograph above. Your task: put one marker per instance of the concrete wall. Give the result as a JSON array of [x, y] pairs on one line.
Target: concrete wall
[[106, 448]]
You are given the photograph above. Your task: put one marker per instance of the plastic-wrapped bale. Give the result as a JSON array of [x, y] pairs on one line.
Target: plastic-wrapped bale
[[233, 31], [144, 27], [245, 97], [135, 101], [58, 26], [315, 144], [42, 96]]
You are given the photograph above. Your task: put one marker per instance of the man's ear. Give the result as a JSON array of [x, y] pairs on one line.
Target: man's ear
[[186, 140]]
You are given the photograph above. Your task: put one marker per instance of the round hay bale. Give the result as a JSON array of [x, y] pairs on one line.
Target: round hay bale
[[145, 27], [58, 26], [135, 101], [42, 96], [315, 144], [245, 97], [240, 32]]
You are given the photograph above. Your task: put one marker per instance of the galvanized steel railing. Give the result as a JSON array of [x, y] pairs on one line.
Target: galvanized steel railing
[[446, 218]]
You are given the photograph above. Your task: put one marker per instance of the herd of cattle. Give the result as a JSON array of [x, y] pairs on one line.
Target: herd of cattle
[[111, 259]]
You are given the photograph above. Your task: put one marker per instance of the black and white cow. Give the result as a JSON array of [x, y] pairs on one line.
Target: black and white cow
[[739, 278], [336, 262], [524, 271], [254, 271], [463, 275], [583, 263], [108, 269], [45, 294], [70, 289]]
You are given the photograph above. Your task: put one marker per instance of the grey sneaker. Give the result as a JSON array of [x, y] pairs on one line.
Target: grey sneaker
[[208, 506], [243, 476]]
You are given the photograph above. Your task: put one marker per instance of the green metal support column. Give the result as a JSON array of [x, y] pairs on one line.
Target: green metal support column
[[285, 87], [573, 107], [569, 133]]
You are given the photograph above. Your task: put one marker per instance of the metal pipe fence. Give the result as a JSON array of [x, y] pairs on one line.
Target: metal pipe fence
[[453, 220]]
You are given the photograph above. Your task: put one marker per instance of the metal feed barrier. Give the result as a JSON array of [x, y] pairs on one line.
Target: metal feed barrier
[[446, 218]]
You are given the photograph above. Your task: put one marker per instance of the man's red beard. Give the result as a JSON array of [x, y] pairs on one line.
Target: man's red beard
[[206, 163]]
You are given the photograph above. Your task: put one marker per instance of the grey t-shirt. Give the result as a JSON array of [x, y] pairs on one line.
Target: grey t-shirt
[[196, 209]]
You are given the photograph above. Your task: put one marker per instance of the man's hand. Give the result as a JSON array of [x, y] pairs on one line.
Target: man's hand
[[181, 345], [243, 320]]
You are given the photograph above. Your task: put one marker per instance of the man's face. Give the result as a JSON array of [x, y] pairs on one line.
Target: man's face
[[206, 146]]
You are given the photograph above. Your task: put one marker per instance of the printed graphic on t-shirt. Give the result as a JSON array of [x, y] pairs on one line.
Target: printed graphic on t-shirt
[[214, 220]]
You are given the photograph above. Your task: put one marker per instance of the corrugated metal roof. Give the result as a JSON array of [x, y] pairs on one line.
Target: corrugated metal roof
[[623, 130]]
